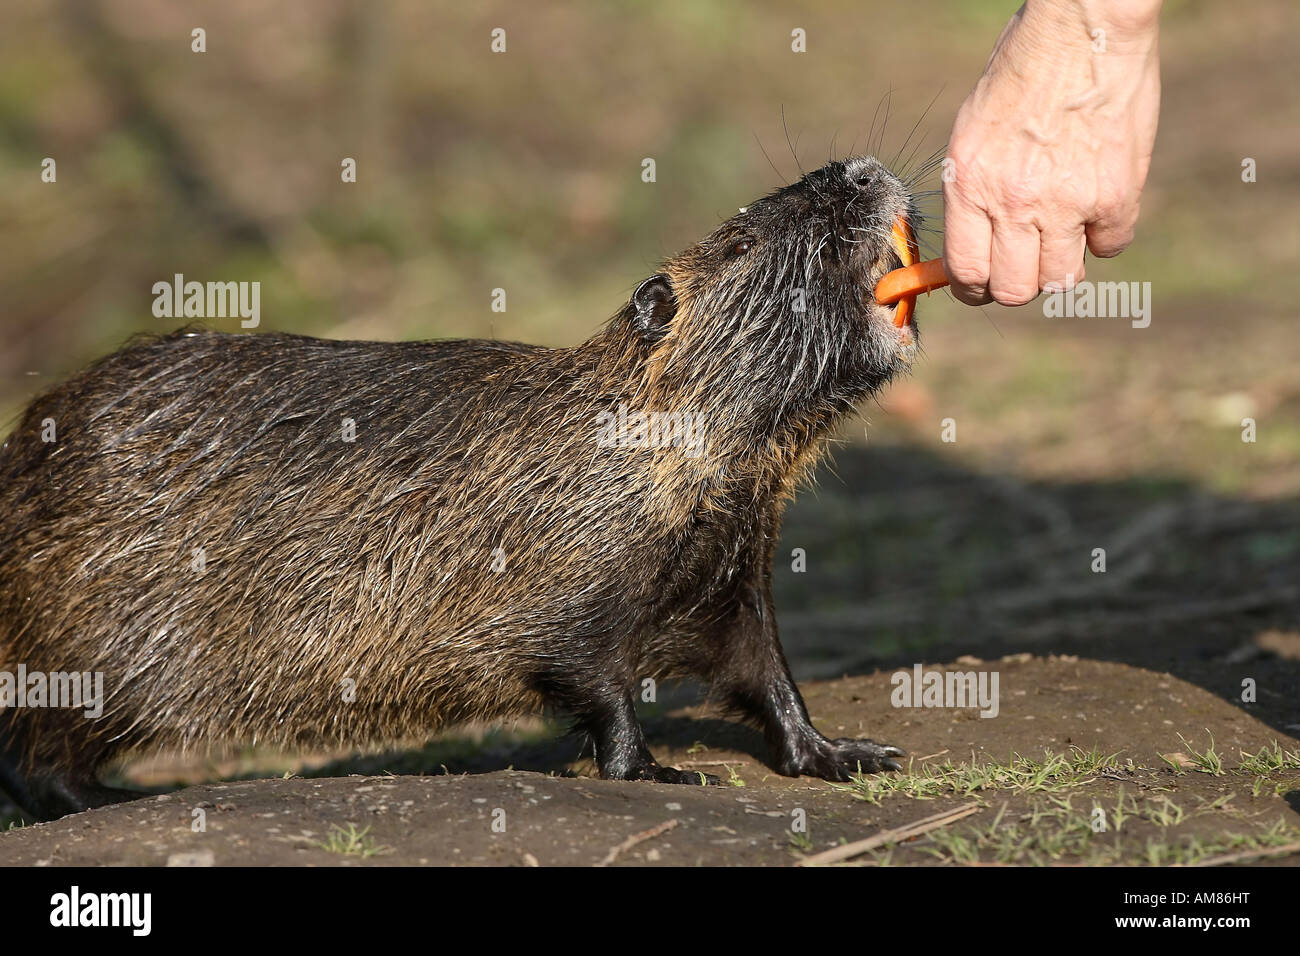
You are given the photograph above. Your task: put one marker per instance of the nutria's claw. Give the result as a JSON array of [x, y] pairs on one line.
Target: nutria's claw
[[840, 759]]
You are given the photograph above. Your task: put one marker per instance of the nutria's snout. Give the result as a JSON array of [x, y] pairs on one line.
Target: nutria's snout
[[859, 200], [779, 298], [863, 200], [843, 215]]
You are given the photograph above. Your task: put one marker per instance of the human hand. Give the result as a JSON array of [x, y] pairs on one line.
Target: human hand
[[1051, 148]]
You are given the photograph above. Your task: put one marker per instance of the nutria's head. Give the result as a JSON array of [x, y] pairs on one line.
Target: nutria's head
[[769, 322]]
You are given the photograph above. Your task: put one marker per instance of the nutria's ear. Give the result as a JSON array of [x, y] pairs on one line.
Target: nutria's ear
[[654, 306]]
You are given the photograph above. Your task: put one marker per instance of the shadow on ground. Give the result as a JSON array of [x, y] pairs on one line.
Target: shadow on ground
[[911, 557]]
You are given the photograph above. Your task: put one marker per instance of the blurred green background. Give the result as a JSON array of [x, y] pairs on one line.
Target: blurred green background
[[522, 170]]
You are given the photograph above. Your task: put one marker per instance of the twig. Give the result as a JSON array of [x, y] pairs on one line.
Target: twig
[[1250, 855], [848, 850], [636, 838]]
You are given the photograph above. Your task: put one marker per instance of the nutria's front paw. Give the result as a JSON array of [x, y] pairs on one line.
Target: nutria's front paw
[[841, 758]]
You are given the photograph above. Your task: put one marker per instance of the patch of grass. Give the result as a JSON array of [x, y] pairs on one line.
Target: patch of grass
[[1269, 760], [349, 841], [1053, 830], [1164, 812], [1125, 807], [1218, 803], [1174, 765], [801, 842], [1046, 818], [1056, 772], [1275, 787], [1194, 850], [1264, 762], [1207, 761]]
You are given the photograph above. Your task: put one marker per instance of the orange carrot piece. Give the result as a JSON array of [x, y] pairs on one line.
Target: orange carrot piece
[[904, 241], [903, 312], [910, 281]]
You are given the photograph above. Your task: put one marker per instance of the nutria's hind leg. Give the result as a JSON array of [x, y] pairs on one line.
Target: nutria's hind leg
[[58, 796], [14, 782], [750, 671], [609, 716], [48, 796]]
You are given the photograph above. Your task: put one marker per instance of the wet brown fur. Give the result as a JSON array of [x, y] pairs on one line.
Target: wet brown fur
[[373, 561]]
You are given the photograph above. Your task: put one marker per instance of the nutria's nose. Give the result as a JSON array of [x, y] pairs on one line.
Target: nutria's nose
[[863, 171]]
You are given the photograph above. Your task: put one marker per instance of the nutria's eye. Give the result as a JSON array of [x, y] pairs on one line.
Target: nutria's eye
[[740, 248]]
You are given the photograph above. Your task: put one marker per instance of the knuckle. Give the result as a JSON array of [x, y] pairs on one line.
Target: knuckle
[[1059, 278], [968, 274], [1059, 283], [1115, 215], [1111, 243], [970, 296], [1014, 293]]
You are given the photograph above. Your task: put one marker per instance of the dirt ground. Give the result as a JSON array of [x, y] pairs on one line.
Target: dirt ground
[[1041, 811]]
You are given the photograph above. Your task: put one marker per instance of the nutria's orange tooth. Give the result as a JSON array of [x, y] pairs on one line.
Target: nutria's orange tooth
[[903, 311], [904, 241]]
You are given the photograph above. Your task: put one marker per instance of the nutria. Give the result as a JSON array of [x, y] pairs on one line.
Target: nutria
[[277, 539]]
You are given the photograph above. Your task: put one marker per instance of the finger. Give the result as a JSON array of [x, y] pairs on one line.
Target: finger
[[1013, 272], [1060, 260], [967, 242], [1110, 234]]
